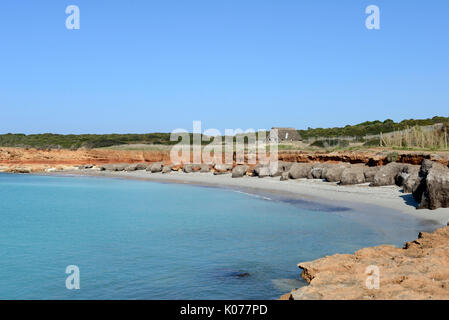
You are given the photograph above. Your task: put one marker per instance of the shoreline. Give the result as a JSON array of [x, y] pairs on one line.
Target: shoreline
[[307, 190], [382, 205]]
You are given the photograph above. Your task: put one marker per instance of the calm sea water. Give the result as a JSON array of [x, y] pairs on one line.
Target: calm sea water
[[145, 240]]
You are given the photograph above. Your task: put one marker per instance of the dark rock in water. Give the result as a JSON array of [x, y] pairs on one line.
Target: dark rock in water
[[243, 274], [237, 274]]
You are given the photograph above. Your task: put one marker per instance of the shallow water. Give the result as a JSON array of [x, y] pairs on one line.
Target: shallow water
[[147, 240]]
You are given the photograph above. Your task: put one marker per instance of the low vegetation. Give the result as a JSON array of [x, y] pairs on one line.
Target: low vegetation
[[390, 134], [367, 128]]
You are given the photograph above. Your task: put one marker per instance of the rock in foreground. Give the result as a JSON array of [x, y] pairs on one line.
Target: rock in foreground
[[420, 270]]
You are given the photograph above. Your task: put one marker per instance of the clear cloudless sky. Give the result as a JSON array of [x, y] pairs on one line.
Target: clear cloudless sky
[[156, 65]]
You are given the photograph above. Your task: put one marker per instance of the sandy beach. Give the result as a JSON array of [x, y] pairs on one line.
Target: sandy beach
[[352, 196]]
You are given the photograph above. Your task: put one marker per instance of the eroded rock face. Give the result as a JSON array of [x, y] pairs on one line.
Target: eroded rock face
[[300, 170], [431, 190], [420, 270]]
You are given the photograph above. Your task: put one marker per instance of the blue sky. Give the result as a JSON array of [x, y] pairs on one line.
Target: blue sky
[[148, 66]]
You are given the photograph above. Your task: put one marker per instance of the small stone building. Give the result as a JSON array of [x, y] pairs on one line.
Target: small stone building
[[284, 135]]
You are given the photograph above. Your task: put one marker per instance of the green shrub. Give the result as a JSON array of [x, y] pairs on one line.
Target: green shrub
[[392, 157]]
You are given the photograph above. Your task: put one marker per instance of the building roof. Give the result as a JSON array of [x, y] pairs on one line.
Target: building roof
[[286, 134]]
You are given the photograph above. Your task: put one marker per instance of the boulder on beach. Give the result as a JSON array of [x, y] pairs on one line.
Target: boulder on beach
[[354, 175], [167, 168], [284, 176], [85, 166], [317, 170], [387, 174], [155, 167], [333, 173], [131, 167], [285, 166], [299, 170], [256, 169], [405, 173], [114, 167], [239, 171], [223, 167], [263, 171], [141, 166], [21, 170], [431, 190], [369, 173]]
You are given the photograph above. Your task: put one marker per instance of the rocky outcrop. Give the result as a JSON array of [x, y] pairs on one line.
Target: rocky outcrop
[[431, 189], [419, 270]]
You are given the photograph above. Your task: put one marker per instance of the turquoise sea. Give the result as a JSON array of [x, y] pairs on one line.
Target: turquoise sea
[[148, 240]]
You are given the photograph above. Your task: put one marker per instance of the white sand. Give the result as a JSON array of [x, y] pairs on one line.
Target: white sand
[[389, 197]]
